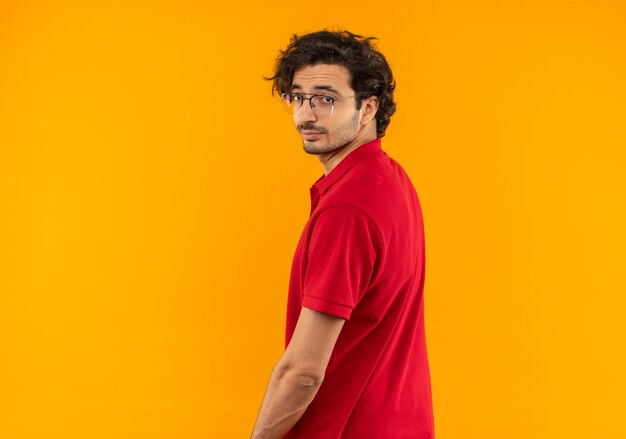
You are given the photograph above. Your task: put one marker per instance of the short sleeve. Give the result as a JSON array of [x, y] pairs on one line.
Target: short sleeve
[[343, 248]]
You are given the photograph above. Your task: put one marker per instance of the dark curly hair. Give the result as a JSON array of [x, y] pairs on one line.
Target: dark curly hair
[[370, 74]]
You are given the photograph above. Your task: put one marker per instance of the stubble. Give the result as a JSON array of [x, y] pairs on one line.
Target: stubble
[[344, 136]]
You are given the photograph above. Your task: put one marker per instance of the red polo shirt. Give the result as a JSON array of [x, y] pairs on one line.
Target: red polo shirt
[[361, 257]]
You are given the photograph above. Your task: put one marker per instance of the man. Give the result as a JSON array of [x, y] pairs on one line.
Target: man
[[355, 364]]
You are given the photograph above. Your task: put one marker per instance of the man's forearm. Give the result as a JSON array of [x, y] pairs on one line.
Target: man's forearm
[[289, 393]]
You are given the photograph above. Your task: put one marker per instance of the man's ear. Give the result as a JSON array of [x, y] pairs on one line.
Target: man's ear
[[369, 108]]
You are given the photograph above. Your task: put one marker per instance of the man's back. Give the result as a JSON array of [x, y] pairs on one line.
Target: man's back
[[361, 257]]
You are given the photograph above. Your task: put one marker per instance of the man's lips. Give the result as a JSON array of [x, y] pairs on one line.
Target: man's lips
[[309, 134]]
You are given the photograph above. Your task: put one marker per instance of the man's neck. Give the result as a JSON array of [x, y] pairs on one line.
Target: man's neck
[[330, 160]]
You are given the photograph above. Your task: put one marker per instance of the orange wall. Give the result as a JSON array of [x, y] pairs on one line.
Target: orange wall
[[152, 193]]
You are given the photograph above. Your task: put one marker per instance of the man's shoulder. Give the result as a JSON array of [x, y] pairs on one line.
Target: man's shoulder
[[376, 181]]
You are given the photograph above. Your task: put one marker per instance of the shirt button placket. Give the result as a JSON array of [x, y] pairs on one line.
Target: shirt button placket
[[315, 198]]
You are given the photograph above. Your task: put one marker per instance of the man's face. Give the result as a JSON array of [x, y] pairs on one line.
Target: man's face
[[322, 134]]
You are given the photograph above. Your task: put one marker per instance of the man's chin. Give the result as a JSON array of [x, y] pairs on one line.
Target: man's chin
[[312, 147]]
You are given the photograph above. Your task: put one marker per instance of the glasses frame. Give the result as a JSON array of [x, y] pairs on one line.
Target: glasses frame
[[310, 99]]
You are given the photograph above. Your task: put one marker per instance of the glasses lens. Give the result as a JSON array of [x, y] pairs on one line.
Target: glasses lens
[[322, 105], [287, 100]]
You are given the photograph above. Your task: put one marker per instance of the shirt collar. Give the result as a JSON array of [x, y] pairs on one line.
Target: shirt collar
[[367, 149]]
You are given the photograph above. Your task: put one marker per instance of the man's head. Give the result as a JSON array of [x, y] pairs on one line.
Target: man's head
[[353, 78]]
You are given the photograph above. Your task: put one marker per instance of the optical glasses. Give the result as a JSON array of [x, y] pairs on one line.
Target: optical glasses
[[322, 105]]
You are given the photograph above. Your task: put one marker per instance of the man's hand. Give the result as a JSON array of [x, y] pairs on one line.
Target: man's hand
[[298, 374]]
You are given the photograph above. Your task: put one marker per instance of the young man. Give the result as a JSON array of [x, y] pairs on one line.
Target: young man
[[355, 364]]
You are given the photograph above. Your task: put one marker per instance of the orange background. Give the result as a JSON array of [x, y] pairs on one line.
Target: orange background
[[152, 192]]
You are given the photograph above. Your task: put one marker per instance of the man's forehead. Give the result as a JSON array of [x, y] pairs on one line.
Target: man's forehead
[[331, 77]]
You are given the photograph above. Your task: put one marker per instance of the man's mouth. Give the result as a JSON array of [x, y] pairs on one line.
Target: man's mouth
[[310, 135]]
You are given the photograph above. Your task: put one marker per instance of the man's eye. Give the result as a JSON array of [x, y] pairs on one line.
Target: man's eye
[[327, 100], [296, 98]]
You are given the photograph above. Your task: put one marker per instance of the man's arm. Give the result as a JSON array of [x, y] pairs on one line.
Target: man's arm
[[298, 374]]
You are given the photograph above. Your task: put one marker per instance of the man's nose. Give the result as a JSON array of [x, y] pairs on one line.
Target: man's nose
[[305, 113]]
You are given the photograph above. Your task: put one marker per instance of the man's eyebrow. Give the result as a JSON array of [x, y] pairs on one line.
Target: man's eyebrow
[[325, 87], [316, 87]]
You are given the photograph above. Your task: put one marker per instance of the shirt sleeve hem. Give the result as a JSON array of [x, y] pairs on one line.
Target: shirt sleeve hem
[[335, 309]]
